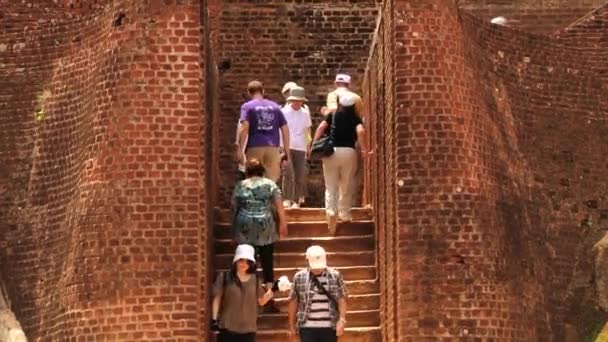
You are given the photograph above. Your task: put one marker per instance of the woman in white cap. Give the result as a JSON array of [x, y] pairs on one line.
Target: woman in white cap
[[317, 301], [345, 126], [236, 295]]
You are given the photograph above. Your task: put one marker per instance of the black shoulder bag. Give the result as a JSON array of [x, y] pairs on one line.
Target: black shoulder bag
[[324, 146], [316, 282]]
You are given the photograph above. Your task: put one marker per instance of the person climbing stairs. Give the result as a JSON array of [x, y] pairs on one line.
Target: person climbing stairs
[[352, 251]]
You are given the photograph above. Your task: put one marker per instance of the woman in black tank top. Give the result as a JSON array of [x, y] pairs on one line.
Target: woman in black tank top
[[345, 128]]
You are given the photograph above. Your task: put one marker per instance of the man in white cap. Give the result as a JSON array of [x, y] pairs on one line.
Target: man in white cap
[[342, 83], [317, 306]]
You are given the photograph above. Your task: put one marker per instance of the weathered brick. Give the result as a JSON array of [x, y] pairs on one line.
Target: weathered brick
[[475, 138], [86, 247]]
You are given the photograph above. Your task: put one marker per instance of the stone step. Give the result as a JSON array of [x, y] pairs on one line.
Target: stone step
[[224, 261], [332, 244], [364, 318], [309, 229], [362, 302], [348, 272], [354, 334], [298, 215]]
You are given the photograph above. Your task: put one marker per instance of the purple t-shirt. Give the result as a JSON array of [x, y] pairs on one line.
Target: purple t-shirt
[[265, 121]]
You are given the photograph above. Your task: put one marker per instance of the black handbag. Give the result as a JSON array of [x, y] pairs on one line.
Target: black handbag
[[324, 146]]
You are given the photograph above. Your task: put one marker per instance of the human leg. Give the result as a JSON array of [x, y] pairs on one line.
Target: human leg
[[348, 167], [331, 174], [289, 181], [300, 169], [272, 163]]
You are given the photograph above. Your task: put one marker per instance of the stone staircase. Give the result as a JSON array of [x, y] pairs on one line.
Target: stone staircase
[[351, 251]]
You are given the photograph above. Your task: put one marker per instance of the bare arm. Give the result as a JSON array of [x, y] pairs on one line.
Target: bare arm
[[285, 135], [342, 308], [320, 130], [292, 308], [265, 298], [280, 209], [282, 224], [215, 306], [243, 133], [361, 138], [342, 321]]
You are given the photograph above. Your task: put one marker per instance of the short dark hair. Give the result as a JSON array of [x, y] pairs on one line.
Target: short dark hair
[[254, 168], [255, 87]]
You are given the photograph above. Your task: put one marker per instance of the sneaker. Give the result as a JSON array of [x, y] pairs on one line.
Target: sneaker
[[345, 218], [295, 205], [331, 223], [287, 203]]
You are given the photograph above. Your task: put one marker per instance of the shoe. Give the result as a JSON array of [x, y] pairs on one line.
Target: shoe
[[331, 223], [295, 205], [287, 204], [345, 218]]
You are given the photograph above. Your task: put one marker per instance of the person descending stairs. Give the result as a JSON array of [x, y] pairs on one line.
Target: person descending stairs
[[352, 251]]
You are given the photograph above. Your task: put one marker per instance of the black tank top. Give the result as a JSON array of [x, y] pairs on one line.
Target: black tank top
[[345, 131]]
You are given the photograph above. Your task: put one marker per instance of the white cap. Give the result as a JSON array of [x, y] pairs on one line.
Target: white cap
[[499, 21], [343, 78], [316, 257], [244, 252], [288, 86], [347, 99]]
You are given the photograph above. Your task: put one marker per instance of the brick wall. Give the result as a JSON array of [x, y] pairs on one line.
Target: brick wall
[[378, 90], [103, 203], [278, 41], [542, 16], [497, 179]]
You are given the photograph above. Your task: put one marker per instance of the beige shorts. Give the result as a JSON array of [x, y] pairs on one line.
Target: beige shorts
[[270, 158]]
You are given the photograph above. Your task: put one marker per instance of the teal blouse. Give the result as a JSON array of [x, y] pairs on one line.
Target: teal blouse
[[254, 219]]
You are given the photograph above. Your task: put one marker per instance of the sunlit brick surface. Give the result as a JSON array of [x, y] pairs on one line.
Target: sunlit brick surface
[[493, 200]]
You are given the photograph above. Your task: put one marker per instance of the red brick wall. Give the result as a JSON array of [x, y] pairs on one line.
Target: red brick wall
[[104, 206], [540, 16], [378, 90], [498, 143], [278, 41]]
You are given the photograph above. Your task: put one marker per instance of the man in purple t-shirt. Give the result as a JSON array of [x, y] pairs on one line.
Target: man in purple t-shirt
[[261, 120]]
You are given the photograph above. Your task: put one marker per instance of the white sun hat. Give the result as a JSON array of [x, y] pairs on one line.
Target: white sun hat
[[317, 258], [244, 252]]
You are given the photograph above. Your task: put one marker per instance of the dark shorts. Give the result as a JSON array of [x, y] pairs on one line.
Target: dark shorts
[[228, 336], [318, 335]]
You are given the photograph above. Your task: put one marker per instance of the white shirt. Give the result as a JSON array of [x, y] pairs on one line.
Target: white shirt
[[299, 124]]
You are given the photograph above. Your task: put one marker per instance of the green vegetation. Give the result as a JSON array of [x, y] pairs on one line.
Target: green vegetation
[[39, 112], [597, 335]]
